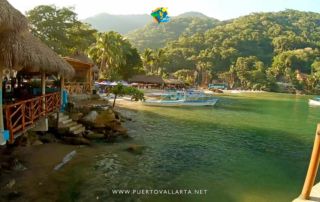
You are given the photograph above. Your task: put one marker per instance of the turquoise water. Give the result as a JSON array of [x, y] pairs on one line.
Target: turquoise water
[[249, 147]]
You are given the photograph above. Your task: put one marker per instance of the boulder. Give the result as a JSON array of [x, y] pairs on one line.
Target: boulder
[[136, 149], [76, 116], [10, 184], [119, 129], [37, 142], [116, 126], [13, 196], [76, 141], [28, 139], [48, 138], [63, 131], [90, 117], [13, 164], [92, 135]]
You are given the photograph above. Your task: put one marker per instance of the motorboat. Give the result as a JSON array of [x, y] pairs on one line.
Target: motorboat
[[182, 98], [315, 101]]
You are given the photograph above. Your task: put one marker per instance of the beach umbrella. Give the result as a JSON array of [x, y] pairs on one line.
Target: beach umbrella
[[105, 83], [124, 83], [114, 83]]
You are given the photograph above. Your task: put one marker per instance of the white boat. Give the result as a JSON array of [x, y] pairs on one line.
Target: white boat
[[182, 98], [315, 101], [177, 103]]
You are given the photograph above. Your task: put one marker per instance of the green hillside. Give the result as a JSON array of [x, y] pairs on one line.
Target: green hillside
[[253, 51], [156, 35]]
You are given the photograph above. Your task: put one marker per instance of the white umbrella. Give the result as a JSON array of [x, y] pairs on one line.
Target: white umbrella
[[105, 83], [124, 83]]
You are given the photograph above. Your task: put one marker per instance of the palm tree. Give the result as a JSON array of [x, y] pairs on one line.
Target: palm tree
[[148, 59], [158, 60], [107, 51]]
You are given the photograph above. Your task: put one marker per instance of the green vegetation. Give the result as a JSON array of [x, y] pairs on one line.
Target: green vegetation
[[264, 51], [60, 29], [252, 52], [115, 55], [121, 90], [155, 35]]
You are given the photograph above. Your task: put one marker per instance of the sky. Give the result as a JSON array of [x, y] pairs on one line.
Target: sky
[[220, 9]]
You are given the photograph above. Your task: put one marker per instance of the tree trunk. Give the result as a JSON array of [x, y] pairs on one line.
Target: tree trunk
[[114, 101]]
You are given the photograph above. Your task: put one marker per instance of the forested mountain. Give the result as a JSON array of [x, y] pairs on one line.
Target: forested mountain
[[261, 34], [124, 24], [120, 23], [255, 49], [265, 51], [156, 35]]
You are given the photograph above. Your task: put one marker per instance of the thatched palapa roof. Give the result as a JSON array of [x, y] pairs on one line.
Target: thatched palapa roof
[[82, 57], [174, 82], [23, 51], [146, 79], [11, 19]]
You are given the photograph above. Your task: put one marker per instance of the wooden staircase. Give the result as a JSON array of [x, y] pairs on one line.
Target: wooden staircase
[[68, 125]]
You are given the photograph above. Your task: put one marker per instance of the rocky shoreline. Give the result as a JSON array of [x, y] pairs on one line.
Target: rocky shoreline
[[103, 125]]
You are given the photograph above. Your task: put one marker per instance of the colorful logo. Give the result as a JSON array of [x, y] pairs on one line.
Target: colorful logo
[[160, 15]]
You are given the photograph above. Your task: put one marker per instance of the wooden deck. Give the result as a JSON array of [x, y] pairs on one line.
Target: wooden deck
[[21, 116]]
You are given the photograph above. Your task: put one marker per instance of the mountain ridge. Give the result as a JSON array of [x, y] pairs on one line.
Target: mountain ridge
[[126, 23]]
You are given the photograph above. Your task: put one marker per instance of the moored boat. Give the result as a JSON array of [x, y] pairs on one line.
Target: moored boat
[[315, 101], [177, 103], [182, 98]]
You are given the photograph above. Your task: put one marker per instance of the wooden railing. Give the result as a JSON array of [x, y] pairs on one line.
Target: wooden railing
[[78, 87], [22, 115]]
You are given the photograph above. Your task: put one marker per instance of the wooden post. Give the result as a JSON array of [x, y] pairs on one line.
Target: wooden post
[[61, 97], [313, 167], [1, 110], [91, 81], [61, 86], [88, 83], [43, 91]]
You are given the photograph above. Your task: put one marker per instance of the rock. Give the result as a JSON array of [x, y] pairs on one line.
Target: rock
[[63, 131], [27, 139], [76, 116], [12, 164], [116, 126], [90, 117], [98, 125], [17, 165], [91, 135], [76, 141], [37, 142], [48, 138], [13, 195], [11, 184], [136, 149], [117, 115], [120, 130]]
